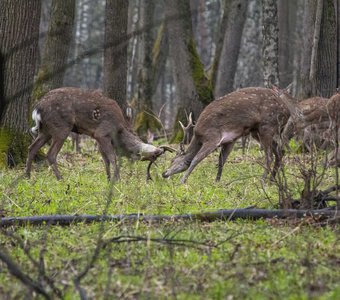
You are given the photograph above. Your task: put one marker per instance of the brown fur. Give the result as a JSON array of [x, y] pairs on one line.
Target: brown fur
[[66, 110], [258, 111]]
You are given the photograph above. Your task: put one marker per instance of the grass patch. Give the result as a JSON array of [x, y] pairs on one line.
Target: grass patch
[[180, 260]]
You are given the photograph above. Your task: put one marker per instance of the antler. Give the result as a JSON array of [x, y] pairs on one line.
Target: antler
[[186, 129], [164, 148]]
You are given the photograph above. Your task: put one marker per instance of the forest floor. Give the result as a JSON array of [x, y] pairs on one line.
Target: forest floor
[[243, 259]]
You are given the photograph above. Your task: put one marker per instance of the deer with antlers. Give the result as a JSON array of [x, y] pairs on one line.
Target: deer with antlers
[[256, 111], [65, 110]]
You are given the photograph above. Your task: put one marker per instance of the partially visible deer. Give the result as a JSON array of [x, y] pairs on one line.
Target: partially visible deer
[[304, 115], [333, 107], [258, 111], [66, 110]]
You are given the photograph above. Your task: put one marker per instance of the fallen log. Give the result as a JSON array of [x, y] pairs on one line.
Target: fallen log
[[223, 214]]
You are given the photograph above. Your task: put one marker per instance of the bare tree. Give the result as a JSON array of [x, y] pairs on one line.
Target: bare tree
[[287, 15], [115, 52], [270, 42], [19, 33], [146, 120], [227, 62], [249, 68], [326, 61], [56, 48], [192, 86]]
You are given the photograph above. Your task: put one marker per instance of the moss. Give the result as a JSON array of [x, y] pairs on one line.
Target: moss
[[156, 50], [4, 145], [13, 147], [202, 84]]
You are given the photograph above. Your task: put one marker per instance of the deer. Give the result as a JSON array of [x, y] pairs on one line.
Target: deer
[[254, 110], [333, 107], [65, 110], [306, 116], [317, 118]]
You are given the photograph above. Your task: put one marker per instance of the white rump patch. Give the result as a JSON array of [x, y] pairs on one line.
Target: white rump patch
[[37, 119]]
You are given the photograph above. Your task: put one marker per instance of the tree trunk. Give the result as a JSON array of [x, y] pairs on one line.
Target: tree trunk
[[115, 51], [249, 68], [305, 86], [326, 61], [338, 40], [19, 36], [56, 48], [219, 41], [270, 43], [192, 86], [145, 119], [227, 64], [287, 14]]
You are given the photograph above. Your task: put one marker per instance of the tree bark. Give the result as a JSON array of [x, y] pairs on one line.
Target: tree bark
[[223, 214], [115, 51], [338, 40], [326, 61], [219, 41], [270, 43], [305, 86], [249, 69], [287, 15], [56, 48], [19, 36], [192, 86], [227, 64], [146, 120]]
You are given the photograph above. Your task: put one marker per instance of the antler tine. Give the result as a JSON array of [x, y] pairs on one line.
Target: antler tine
[[186, 131]]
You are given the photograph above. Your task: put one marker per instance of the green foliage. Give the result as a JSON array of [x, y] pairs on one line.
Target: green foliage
[[235, 260]]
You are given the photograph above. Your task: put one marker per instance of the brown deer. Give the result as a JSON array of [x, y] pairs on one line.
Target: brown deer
[[258, 111], [333, 107], [306, 116], [66, 110]]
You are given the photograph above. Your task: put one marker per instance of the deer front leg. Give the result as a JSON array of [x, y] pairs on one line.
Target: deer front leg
[[202, 153]]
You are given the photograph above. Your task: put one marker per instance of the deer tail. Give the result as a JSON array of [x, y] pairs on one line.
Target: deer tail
[[37, 119]]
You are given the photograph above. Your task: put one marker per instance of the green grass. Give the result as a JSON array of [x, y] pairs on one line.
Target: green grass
[[177, 260]]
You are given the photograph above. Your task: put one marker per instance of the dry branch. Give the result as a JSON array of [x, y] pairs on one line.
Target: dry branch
[[223, 214]]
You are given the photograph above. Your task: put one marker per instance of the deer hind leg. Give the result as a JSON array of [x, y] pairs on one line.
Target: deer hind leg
[[52, 153], [225, 151], [33, 149], [266, 141], [205, 150], [106, 163], [108, 156]]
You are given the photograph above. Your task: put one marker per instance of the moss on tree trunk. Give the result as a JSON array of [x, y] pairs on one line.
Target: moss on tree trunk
[[13, 147], [145, 121]]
